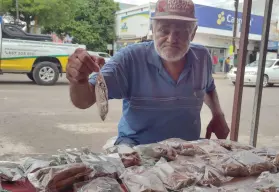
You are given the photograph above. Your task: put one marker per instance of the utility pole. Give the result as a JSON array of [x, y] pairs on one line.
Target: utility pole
[[236, 3], [17, 12]]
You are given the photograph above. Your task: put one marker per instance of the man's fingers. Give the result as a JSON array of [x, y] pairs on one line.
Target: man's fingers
[[81, 65], [209, 131], [208, 134], [79, 50], [71, 79], [87, 60], [100, 61], [76, 75]]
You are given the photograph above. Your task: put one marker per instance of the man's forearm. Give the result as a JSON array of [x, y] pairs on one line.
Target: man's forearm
[[82, 95], [212, 101]]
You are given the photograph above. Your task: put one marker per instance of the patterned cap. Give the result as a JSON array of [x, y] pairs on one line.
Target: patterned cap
[[175, 9]]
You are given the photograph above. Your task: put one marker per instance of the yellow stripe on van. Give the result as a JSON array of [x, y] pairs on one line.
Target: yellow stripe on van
[[14, 64], [22, 64]]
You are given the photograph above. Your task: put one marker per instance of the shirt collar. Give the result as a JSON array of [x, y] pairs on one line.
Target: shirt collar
[[154, 59]]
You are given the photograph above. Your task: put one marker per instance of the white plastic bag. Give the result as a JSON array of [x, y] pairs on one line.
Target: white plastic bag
[[110, 143]]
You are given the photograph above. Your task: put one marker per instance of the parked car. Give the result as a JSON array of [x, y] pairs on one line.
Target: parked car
[[106, 56], [271, 75]]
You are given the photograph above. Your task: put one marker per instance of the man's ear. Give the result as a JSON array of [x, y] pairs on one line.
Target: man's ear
[[194, 33], [152, 28]]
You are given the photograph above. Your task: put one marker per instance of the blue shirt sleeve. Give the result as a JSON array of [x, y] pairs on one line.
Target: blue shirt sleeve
[[115, 72], [210, 86]]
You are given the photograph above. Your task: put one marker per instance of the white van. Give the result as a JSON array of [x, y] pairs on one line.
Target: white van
[[104, 55]]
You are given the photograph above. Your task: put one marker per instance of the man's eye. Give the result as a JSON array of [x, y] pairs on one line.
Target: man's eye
[[163, 31]]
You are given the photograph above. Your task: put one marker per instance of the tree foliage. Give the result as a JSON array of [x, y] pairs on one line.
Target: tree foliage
[[90, 22], [93, 24], [45, 12]]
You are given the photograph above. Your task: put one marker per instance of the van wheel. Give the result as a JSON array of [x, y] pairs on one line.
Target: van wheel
[[46, 73], [30, 76]]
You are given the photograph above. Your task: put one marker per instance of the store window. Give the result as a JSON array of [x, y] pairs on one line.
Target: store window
[[218, 56]]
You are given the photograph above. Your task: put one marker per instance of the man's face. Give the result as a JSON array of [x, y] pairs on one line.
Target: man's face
[[172, 38]]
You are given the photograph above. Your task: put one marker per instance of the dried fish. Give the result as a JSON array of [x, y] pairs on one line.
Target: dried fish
[[101, 92]]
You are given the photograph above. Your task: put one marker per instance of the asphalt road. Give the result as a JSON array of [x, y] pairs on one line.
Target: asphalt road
[[37, 119]]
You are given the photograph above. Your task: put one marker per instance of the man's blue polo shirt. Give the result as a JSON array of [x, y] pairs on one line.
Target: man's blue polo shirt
[[155, 107]]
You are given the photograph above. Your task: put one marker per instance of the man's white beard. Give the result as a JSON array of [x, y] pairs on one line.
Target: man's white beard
[[171, 58]]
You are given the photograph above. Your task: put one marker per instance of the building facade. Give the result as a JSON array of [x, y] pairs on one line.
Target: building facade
[[215, 29]]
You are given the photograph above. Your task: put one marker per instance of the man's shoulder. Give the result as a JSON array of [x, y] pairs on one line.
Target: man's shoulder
[[198, 48], [138, 48], [133, 55]]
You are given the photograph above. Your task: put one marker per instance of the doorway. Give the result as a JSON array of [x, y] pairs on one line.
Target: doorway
[[220, 53]]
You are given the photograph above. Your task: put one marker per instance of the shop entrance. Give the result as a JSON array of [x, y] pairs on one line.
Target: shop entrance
[[220, 54]]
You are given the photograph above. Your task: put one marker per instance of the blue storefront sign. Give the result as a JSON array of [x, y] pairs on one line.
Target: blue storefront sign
[[223, 19]]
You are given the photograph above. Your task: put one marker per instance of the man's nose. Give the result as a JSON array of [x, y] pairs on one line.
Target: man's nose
[[173, 37]]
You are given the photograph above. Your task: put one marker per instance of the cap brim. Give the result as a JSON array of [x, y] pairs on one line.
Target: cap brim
[[174, 17]]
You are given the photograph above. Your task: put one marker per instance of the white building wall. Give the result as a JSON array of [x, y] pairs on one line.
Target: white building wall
[[212, 41], [133, 22]]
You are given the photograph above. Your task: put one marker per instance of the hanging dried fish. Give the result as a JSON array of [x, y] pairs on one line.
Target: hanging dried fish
[[101, 92]]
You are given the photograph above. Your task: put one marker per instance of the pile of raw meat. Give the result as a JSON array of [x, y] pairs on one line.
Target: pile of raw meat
[[171, 165]]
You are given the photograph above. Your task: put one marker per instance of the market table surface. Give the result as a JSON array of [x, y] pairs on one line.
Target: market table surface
[[27, 186]]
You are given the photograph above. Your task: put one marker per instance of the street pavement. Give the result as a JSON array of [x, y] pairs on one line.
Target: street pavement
[[38, 119]]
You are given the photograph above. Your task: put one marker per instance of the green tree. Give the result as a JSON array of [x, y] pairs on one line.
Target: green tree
[[44, 12], [93, 24]]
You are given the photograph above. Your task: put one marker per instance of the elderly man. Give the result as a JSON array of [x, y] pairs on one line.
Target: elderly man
[[163, 83]]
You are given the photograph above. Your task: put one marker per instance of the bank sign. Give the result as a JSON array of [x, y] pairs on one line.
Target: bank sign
[[223, 19]]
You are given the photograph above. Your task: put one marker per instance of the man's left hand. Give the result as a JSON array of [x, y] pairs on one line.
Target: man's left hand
[[219, 126]]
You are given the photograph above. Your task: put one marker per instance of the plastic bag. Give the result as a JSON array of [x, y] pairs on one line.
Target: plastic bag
[[156, 151], [233, 168], [109, 144], [141, 179], [182, 147], [173, 179], [205, 147], [232, 145], [268, 154], [101, 92], [59, 178], [105, 164], [199, 189], [110, 168], [30, 165], [222, 189], [205, 174], [103, 184], [267, 182], [129, 156], [10, 171], [255, 164]]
